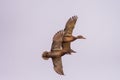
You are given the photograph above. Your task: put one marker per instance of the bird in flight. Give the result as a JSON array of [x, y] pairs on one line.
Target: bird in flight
[[61, 45], [68, 37]]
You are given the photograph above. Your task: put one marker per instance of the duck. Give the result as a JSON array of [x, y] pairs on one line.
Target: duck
[[68, 37]]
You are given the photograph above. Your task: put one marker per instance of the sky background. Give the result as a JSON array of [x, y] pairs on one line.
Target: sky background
[[27, 28]]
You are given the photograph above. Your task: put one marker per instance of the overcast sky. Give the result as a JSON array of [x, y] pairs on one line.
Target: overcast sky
[[27, 28]]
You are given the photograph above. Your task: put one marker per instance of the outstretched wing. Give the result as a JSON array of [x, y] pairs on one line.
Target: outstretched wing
[[56, 49], [68, 34], [57, 40], [70, 26], [57, 62]]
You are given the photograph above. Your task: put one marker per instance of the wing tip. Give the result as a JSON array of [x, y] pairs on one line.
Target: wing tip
[[74, 17], [59, 71], [59, 36]]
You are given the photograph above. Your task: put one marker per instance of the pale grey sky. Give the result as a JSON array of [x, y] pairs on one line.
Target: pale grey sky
[[27, 28]]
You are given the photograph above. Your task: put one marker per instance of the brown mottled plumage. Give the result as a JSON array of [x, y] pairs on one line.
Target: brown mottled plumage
[[61, 45], [56, 52], [68, 37]]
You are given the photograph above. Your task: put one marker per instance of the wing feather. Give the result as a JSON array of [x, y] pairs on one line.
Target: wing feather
[[70, 26], [68, 33], [57, 62], [57, 40], [56, 49]]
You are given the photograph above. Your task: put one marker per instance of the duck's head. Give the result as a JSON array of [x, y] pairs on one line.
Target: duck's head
[[81, 37], [44, 55]]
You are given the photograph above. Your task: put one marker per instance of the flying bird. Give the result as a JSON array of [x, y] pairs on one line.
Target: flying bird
[[61, 45], [56, 52], [68, 37]]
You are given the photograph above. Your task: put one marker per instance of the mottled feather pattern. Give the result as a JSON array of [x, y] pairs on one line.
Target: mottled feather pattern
[[57, 40], [58, 36], [57, 62], [70, 26], [61, 45], [68, 34]]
